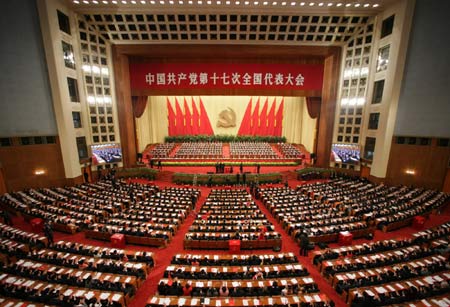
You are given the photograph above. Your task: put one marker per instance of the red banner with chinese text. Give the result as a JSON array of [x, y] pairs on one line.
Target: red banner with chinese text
[[222, 76]]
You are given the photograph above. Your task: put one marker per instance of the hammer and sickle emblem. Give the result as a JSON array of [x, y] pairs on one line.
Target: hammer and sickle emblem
[[227, 118]]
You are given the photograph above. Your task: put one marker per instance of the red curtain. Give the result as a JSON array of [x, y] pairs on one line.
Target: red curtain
[[313, 105], [139, 104]]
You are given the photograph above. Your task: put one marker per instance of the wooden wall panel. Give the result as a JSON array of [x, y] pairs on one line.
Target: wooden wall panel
[[428, 162], [328, 108], [446, 186], [20, 162]]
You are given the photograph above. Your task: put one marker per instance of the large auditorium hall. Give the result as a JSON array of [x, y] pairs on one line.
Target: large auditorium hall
[[266, 153]]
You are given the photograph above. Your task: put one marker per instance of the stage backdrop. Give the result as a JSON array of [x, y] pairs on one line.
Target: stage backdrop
[[226, 115]]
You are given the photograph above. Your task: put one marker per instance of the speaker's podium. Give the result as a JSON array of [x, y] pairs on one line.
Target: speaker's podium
[[234, 246], [118, 240], [418, 222], [345, 238]]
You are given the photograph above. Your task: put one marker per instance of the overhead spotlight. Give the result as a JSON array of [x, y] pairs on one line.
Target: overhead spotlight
[[200, 2], [190, 2], [218, 2], [366, 5], [95, 1], [208, 2], [76, 1], [170, 2], [311, 4], [348, 4], [238, 2], [142, 2], [265, 3], [255, 3], [339, 4], [133, 2], [283, 3], [321, 4], [376, 5], [124, 2], [227, 2], [293, 3], [274, 3], [357, 5], [85, 2], [114, 2], [161, 2], [246, 3], [330, 4], [302, 3]]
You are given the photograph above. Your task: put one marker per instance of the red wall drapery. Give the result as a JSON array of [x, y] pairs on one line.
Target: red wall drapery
[[313, 105], [139, 105]]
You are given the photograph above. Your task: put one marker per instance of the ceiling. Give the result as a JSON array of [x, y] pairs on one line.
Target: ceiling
[[275, 22]]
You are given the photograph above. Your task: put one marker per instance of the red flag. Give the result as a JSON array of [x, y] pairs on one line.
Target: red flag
[[187, 119], [179, 119], [255, 118], [171, 118], [262, 126], [245, 128], [271, 119], [279, 120], [205, 125], [195, 119]]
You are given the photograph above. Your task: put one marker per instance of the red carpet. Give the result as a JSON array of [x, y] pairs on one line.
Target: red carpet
[[163, 256]]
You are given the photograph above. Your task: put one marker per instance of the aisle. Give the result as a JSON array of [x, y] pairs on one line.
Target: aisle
[[289, 245]]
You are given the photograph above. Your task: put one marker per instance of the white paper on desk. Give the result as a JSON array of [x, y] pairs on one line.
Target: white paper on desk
[[361, 274], [59, 271], [447, 275], [218, 303], [194, 302], [9, 304], [380, 290], [283, 282], [370, 292], [209, 283], [308, 280], [275, 268], [399, 286], [214, 270], [68, 292], [438, 278], [284, 301], [270, 301], [294, 281], [127, 280], [38, 286], [107, 277], [420, 283], [260, 284], [317, 298], [86, 275], [235, 284], [207, 301], [181, 301], [153, 300], [289, 267], [390, 288], [429, 280], [225, 270], [116, 297], [249, 284], [51, 269], [425, 302], [256, 302], [216, 257], [193, 269], [245, 302], [296, 300], [28, 283], [199, 284], [370, 272], [104, 296], [266, 269], [117, 279], [162, 301], [170, 268]]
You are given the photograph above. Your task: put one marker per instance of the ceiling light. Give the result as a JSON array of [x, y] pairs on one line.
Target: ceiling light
[[283, 3], [133, 2], [330, 4], [227, 3], [105, 2], [209, 2], [366, 5], [142, 2], [339, 4], [376, 5], [95, 1], [265, 3], [114, 2], [200, 2], [76, 1], [293, 3], [170, 2], [357, 4], [152, 2], [190, 2], [311, 4], [246, 3], [321, 4], [256, 3], [302, 3], [86, 2], [219, 2], [124, 2], [237, 2], [274, 3], [161, 2]]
